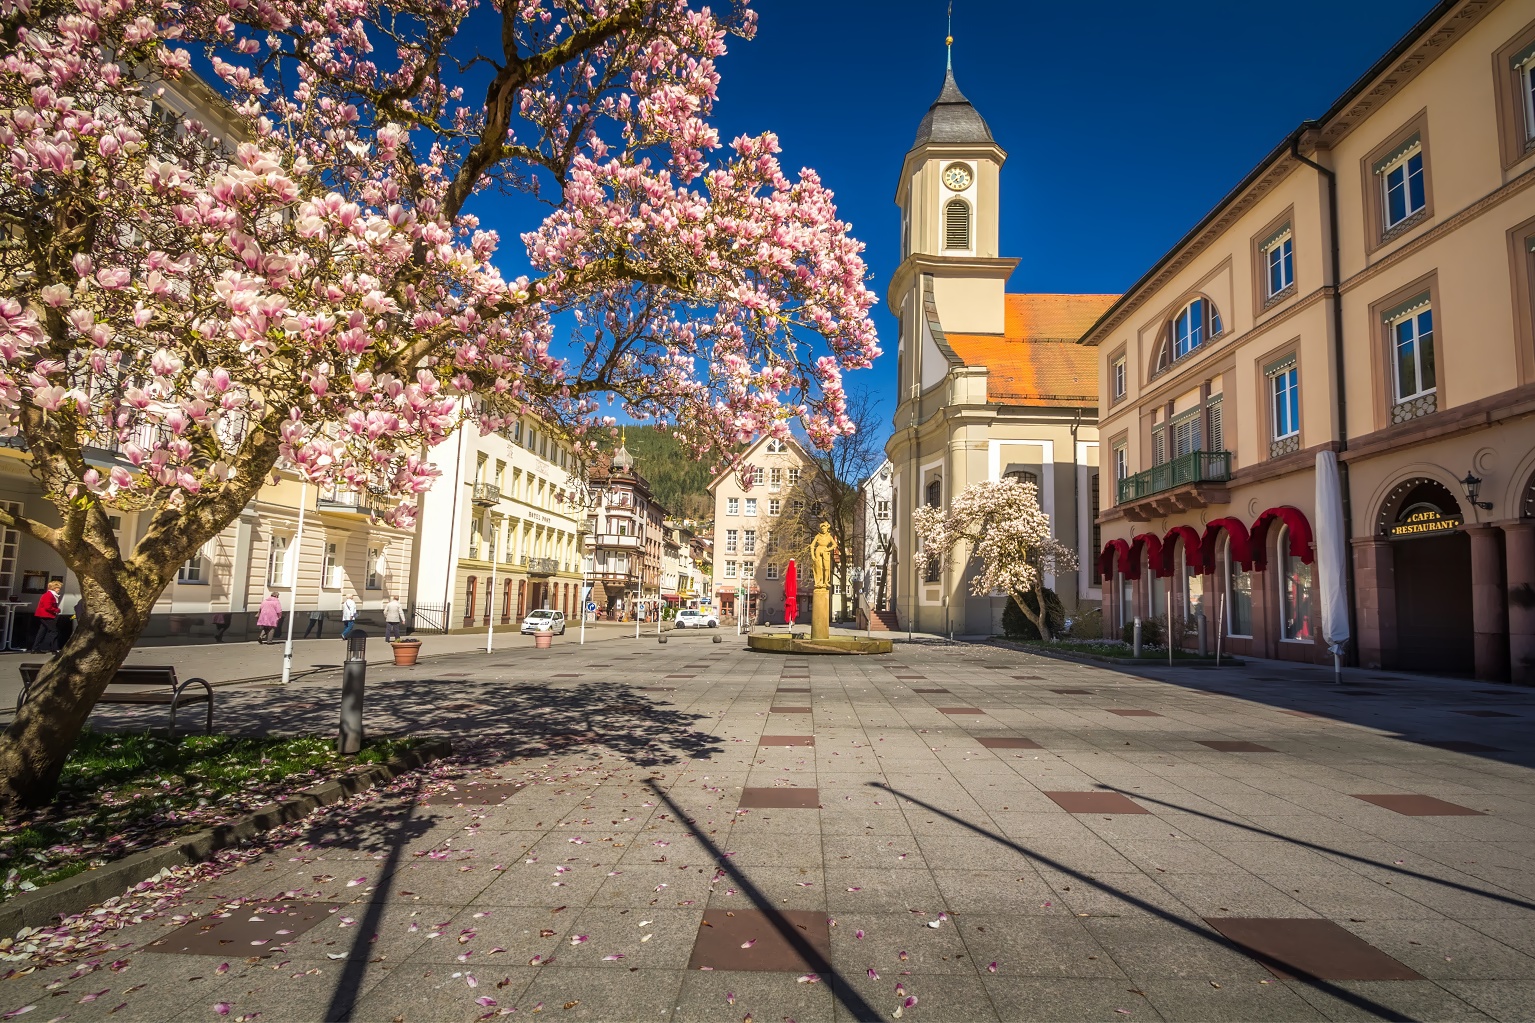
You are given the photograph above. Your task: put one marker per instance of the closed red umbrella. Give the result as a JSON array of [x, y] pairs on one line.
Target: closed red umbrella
[[790, 593]]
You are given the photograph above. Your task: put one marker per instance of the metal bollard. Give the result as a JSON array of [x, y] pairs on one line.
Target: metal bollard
[[354, 673], [1204, 642], [1137, 648]]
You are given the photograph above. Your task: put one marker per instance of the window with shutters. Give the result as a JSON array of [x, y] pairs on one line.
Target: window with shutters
[[956, 224], [1158, 446], [1092, 485], [10, 548], [1186, 434], [1217, 437]]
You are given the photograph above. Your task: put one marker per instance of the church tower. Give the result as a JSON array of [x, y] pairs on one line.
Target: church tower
[[949, 195]]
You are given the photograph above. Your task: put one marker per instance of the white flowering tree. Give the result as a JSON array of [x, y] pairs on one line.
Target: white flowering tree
[[1002, 527]]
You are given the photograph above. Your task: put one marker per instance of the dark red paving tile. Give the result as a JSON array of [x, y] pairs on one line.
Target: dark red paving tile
[[960, 710], [1235, 746], [786, 740], [1413, 805], [682, 676], [1029, 678], [722, 933], [474, 794], [1316, 949], [1007, 742], [789, 710], [1073, 692], [1458, 746], [250, 930], [912, 678], [1095, 802], [1135, 713], [791, 689], [780, 798], [1486, 714]]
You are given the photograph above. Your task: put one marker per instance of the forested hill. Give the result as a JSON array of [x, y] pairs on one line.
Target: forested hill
[[678, 482]]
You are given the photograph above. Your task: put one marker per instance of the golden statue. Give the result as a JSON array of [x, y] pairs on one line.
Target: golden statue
[[823, 551]]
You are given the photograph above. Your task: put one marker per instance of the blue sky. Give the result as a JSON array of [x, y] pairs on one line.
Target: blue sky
[[1124, 121]]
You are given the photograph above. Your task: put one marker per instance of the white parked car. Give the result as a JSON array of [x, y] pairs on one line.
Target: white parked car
[[692, 618], [544, 620]]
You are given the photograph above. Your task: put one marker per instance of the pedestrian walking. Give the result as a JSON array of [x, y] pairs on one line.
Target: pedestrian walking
[[269, 617], [45, 631], [394, 619], [220, 624], [316, 625], [348, 616]]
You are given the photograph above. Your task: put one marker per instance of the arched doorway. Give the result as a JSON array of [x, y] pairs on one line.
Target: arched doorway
[[1431, 561]]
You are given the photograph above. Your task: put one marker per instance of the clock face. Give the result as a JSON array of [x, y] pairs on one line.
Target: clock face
[[957, 177]]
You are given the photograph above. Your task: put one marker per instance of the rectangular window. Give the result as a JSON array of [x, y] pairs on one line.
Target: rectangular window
[[1412, 340], [793, 477], [194, 571], [1285, 390], [1186, 435], [774, 506], [757, 476], [751, 506], [732, 506], [1117, 376], [772, 571], [1239, 600], [331, 577], [1217, 436], [1280, 260], [731, 539], [1093, 497], [730, 570], [882, 509], [749, 542], [1158, 446], [1121, 462], [277, 562], [372, 580], [775, 478], [748, 569], [1402, 182]]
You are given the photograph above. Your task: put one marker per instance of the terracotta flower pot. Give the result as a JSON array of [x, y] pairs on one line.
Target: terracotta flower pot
[[406, 651], [543, 640]]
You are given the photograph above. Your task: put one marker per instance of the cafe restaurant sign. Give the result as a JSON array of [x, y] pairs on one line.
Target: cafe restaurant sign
[[1424, 520]]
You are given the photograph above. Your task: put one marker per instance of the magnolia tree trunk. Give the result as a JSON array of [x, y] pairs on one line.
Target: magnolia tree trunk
[[1041, 621], [37, 742]]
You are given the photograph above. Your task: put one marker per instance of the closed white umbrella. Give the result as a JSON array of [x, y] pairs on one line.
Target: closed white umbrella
[[1331, 568]]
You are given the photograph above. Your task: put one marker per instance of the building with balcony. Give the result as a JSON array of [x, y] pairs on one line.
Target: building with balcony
[[873, 543], [745, 514], [989, 384], [625, 538], [1365, 294], [500, 532]]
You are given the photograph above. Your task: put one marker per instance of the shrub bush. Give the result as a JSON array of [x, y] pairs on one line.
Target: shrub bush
[[1017, 625], [1151, 632]]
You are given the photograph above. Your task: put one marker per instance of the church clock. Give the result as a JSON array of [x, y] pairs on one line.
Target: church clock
[[956, 176]]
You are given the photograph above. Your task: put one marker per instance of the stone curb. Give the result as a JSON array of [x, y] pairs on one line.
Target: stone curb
[[1118, 662], [79, 893]]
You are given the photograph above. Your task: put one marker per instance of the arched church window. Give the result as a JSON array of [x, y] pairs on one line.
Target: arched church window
[[956, 224], [935, 494]]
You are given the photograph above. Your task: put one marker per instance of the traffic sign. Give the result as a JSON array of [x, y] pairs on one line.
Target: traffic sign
[[591, 606]]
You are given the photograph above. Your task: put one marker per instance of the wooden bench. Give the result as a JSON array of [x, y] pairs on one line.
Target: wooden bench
[[170, 691]]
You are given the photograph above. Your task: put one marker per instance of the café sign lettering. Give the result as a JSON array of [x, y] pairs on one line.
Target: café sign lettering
[[1423, 520]]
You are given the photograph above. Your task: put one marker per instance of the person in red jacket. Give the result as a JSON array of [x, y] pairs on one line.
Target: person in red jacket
[[45, 632]]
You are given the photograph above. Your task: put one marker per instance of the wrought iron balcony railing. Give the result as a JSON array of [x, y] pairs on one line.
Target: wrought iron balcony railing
[[1194, 467]]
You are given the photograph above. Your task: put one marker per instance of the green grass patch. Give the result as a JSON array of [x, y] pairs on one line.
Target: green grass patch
[[121, 793]]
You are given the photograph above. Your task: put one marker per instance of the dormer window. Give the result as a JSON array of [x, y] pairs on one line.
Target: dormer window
[[956, 224], [1196, 323]]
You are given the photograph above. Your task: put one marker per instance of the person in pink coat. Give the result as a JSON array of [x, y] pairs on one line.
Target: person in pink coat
[[268, 617]]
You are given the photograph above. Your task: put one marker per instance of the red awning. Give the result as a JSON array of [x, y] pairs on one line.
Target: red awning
[[1300, 535], [1153, 545], [1191, 548], [1241, 544], [1115, 551]]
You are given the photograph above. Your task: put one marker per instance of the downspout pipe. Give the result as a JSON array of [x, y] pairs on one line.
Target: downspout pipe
[[1339, 370]]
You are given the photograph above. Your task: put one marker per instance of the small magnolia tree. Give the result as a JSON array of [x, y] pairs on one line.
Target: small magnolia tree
[[1002, 526], [183, 313]]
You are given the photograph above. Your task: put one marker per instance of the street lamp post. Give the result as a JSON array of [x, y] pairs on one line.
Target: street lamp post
[[490, 594]]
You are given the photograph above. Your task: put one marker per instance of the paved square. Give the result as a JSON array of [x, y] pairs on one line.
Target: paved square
[[608, 837]]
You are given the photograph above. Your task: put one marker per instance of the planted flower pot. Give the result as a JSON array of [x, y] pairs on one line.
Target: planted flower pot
[[543, 640], [406, 651]]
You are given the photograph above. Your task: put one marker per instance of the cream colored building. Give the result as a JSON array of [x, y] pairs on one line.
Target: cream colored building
[[744, 517], [991, 384], [625, 538], [1365, 290], [501, 531]]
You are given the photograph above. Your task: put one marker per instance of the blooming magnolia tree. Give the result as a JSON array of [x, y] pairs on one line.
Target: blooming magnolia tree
[[307, 286], [1002, 527]]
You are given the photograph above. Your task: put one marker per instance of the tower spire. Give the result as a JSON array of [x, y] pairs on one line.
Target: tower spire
[[948, 41]]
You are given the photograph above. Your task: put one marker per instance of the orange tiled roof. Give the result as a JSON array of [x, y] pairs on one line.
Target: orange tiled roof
[[1036, 361]]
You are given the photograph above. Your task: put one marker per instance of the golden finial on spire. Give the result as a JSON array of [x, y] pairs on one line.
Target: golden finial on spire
[[948, 40]]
